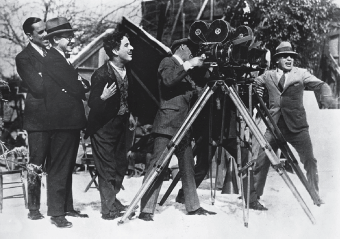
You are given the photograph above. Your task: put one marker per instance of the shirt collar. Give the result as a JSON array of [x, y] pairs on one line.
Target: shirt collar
[[121, 71], [37, 48], [178, 59]]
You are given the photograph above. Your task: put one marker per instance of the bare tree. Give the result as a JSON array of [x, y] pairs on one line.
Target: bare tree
[[90, 21]]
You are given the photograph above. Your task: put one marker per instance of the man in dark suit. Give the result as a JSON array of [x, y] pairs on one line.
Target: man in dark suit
[[176, 92], [112, 105], [285, 87], [29, 67], [66, 117]]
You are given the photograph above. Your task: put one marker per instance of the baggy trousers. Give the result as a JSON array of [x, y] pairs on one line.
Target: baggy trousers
[[110, 157], [186, 168]]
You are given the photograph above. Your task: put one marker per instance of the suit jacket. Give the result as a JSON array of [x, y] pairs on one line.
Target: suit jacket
[[176, 93], [29, 66], [101, 111], [64, 93], [289, 102]]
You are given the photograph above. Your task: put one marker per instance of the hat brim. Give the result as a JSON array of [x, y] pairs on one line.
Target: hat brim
[[285, 52], [185, 41], [59, 31]]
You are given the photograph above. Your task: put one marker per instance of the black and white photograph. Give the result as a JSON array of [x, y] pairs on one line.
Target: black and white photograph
[[169, 119]]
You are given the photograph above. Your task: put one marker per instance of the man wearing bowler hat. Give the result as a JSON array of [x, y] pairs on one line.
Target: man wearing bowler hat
[[65, 91], [177, 91], [285, 86]]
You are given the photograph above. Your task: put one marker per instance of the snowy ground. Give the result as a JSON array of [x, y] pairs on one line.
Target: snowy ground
[[284, 219]]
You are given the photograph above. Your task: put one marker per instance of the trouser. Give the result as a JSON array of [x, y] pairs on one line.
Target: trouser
[[186, 166], [301, 142], [38, 144], [110, 157], [60, 164]]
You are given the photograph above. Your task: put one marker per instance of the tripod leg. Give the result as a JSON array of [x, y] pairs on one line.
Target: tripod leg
[[239, 162], [168, 152], [249, 153], [267, 149], [219, 150], [210, 149], [171, 187]]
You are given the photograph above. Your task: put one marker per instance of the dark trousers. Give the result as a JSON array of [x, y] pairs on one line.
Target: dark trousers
[[110, 157], [186, 167], [301, 142], [63, 152], [38, 144]]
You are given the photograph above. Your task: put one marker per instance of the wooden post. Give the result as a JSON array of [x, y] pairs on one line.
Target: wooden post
[[211, 10], [176, 19], [202, 9], [183, 24], [161, 21]]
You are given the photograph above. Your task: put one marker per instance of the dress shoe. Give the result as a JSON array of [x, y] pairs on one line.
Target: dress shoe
[[61, 222], [120, 206], [35, 215], [240, 197], [201, 211], [180, 197], [112, 215], [145, 216], [75, 213], [256, 205]]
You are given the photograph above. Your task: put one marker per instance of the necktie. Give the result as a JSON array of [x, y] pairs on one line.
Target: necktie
[[44, 52], [282, 82]]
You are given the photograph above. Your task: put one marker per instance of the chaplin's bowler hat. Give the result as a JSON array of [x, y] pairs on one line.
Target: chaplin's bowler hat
[[58, 25]]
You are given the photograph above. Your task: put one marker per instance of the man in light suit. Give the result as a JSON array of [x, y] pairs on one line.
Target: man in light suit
[[176, 92], [65, 91], [285, 87], [29, 67]]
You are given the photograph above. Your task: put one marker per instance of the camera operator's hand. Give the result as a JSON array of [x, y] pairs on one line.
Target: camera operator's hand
[[108, 91], [197, 61]]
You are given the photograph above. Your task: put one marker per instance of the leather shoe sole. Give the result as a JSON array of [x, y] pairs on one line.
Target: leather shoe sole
[[112, 215], [201, 211], [257, 206], [76, 214]]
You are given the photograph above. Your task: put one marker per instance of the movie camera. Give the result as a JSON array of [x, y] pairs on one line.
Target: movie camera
[[227, 47]]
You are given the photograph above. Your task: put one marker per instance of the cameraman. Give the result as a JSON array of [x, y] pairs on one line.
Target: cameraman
[[177, 90]]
